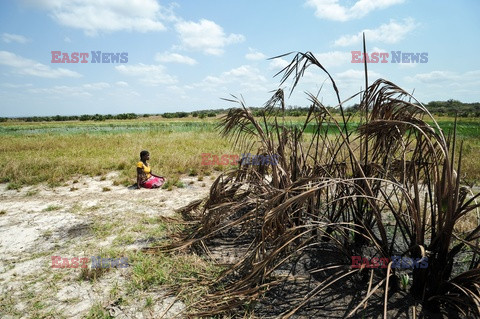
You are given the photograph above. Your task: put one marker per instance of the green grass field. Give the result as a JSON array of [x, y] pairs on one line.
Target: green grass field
[[55, 152]]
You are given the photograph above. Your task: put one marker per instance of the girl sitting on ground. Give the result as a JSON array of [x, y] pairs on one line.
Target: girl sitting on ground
[[145, 177]]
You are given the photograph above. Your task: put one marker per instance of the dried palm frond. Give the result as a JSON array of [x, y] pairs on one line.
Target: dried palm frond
[[388, 187]]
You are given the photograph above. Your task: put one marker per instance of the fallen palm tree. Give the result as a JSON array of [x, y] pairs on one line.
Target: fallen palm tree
[[389, 187]]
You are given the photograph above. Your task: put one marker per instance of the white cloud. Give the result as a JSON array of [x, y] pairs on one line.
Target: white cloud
[[153, 75], [434, 77], [245, 76], [377, 49], [102, 16], [356, 76], [278, 64], [245, 72], [333, 58], [255, 55], [442, 77], [9, 37], [62, 90], [392, 32], [332, 10], [67, 39], [86, 90], [16, 86], [174, 57], [443, 85], [25, 66], [206, 36], [96, 86], [121, 83]]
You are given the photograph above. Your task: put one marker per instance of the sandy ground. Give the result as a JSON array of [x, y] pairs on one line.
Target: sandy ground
[[83, 218]]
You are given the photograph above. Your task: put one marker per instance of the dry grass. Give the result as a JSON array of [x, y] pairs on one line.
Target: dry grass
[[57, 158]]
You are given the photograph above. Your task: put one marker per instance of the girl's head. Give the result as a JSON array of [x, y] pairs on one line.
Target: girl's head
[[144, 155]]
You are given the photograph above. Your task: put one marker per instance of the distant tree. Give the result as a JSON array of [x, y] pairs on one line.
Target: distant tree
[[175, 115]]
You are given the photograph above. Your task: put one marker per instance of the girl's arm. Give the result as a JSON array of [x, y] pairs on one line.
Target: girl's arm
[[139, 177], [155, 175]]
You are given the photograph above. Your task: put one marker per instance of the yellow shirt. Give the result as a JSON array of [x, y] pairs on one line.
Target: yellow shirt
[[146, 169]]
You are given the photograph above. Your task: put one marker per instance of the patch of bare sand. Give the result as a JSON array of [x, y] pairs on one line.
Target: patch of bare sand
[[39, 222]]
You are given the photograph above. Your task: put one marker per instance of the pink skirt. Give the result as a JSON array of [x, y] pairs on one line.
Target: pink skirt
[[154, 182]]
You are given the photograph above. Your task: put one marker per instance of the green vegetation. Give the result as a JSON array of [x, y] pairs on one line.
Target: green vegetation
[[449, 108], [160, 125], [97, 312], [52, 208], [452, 107], [55, 152], [85, 117], [150, 270], [13, 185]]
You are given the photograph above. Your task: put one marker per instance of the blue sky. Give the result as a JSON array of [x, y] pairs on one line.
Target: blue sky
[[187, 55]]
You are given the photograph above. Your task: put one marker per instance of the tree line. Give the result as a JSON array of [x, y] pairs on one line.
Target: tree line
[[440, 108]]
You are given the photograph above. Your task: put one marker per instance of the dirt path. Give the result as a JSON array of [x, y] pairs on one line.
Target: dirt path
[[88, 217]]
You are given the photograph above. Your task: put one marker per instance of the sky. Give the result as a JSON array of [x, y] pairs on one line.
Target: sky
[[156, 56]]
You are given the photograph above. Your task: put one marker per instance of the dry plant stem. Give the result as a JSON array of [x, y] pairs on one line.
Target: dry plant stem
[[389, 268], [371, 275]]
